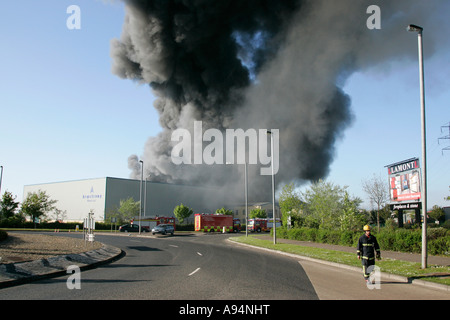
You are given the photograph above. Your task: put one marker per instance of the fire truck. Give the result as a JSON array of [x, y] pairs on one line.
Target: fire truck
[[216, 222], [261, 225], [151, 222]]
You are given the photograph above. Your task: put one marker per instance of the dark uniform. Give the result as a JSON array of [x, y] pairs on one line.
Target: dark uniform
[[366, 249]]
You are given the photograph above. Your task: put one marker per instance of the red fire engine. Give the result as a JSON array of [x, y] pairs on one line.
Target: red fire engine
[[151, 222], [261, 225], [216, 222]]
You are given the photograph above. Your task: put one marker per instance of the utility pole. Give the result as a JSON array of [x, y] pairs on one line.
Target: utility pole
[[447, 137]]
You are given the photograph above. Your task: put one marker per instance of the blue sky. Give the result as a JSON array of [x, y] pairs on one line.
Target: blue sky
[[65, 116]]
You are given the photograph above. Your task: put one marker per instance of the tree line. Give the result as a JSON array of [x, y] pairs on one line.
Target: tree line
[[325, 205]]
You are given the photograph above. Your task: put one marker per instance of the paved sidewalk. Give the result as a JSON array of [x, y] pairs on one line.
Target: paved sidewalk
[[413, 257]]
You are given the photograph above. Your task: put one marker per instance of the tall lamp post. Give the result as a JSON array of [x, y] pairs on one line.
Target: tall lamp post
[[419, 30], [246, 199], [1, 177], [140, 194], [273, 190]]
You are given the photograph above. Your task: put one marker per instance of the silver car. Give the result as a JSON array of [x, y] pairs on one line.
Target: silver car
[[163, 229]]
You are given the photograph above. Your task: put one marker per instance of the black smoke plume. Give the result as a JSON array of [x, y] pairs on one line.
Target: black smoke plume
[[262, 64]]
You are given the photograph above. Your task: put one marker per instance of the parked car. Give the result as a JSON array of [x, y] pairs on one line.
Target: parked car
[[163, 229], [132, 228]]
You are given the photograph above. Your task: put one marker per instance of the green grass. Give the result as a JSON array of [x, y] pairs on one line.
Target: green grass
[[398, 267]]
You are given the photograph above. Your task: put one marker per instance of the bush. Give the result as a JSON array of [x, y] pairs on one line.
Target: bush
[[389, 239], [439, 246], [185, 227], [3, 235], [347, 238]]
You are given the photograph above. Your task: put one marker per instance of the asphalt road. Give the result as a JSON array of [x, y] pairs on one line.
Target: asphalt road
[[208, 267], [178, 268]]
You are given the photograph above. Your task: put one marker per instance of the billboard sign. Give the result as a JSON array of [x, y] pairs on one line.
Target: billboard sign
[[404, 181]]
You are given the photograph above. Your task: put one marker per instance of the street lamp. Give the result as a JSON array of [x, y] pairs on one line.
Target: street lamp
[[419, 30], [1, 177], [273, 189], [246, 199], [140, 194]]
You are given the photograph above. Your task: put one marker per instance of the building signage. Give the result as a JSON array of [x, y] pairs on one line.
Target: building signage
[[92, 196]]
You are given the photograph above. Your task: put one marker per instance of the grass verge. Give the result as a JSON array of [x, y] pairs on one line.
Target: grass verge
[[412, 270]]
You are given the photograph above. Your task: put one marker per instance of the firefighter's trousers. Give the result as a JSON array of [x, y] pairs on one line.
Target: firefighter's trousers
[[366, 263]]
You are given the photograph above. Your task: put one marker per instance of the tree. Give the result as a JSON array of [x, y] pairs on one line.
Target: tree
[[224, 211], [436, 213], [182, 212], [290, 203], [37, 205], [378, 191], [351, 218], [323, 204], [258, 213], [8, 207], [128, 209]]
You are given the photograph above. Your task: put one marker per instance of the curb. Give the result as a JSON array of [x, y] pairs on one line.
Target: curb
[[12, 274], [356, 269]]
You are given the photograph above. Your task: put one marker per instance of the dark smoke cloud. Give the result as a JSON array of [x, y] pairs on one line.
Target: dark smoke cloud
[[257, 64]]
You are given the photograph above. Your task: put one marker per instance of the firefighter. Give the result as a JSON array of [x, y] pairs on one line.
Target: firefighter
[[366, 250]]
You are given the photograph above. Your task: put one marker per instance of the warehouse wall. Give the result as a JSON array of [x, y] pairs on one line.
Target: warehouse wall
[[76, 198], [101, 195], [162, 198]]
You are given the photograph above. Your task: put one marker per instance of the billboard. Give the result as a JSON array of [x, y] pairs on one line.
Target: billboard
[[404, 181]]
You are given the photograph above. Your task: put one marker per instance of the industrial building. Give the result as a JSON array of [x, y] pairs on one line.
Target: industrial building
[[100, 196]]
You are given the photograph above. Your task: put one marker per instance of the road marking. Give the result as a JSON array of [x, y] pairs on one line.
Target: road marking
[[190, 274], [199, 254], [172, 245]]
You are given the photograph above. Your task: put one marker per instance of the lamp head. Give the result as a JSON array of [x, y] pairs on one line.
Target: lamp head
[[414, 28]]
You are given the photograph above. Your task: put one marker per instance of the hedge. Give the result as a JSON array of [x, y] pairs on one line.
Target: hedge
[[3, 235], [402, 240]]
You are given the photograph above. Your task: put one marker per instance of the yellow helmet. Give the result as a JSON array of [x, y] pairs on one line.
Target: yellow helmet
[[366, 228]]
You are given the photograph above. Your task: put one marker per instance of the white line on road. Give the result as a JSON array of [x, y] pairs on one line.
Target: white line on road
[[172, 245], [199, 254], [190, 274]]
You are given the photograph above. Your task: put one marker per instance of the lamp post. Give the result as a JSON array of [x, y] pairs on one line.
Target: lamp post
[[140, 194], [1, 177], [273, 190], [246, 199], [419, 30]]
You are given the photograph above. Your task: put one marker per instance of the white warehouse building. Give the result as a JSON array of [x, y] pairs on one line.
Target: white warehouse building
[[77, 198]]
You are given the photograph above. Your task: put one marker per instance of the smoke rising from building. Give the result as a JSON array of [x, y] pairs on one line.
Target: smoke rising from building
[[257, 64]]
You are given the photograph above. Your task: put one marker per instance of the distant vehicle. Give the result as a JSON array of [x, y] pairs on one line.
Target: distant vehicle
[[163, 229], [216, 223], [261, 225], [132, 228]]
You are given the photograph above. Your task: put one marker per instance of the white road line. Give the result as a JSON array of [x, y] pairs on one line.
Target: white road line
[[199, 254], [172, 245], [190, 274]]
